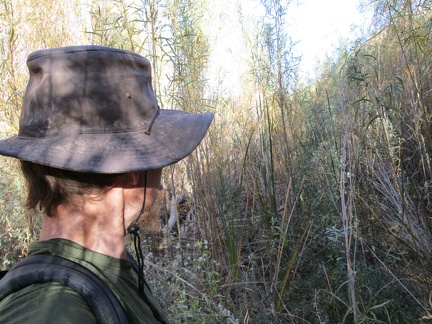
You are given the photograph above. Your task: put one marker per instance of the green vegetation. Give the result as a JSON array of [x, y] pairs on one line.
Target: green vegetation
[[305, 203]]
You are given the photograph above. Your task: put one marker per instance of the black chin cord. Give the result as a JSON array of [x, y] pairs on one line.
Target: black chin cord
[[133, 230]]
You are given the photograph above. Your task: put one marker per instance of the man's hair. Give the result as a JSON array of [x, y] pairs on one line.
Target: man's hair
[[47, 187]]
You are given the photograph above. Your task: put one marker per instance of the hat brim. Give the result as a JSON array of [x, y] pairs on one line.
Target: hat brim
[[174, 135]]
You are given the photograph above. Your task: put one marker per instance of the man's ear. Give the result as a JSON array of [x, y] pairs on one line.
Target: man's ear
[[134, 178], [131, 179]]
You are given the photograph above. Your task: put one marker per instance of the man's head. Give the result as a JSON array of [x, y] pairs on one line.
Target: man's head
[[89, 118]]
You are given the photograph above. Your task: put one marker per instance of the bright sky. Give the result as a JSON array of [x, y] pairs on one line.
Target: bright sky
[[318, 25]]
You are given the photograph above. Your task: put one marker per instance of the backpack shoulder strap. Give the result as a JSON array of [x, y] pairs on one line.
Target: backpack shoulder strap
[[3, 273], [49, 268]]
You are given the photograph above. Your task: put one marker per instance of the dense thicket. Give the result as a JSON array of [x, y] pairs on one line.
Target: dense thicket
[[305, 203]]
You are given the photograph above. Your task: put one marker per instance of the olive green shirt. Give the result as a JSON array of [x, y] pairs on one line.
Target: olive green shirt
[[55, 303]]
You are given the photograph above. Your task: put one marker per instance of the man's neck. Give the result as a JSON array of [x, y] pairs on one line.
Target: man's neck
[[96, 224]]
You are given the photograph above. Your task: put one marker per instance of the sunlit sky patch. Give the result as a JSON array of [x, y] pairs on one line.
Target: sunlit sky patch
[[319, 25]]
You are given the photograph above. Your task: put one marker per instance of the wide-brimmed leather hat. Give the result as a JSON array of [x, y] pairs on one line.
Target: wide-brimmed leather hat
[[93, 109]]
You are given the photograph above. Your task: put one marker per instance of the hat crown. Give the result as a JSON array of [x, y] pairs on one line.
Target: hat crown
[[87, 89]]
